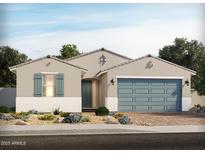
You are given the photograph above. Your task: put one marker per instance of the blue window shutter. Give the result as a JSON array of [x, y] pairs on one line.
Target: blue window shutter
[[59, 85], [38, 84]]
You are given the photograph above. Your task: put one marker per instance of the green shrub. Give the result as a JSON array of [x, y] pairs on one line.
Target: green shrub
[[75, 118], [72, 118], [118, 115], [124, 120], [102, 111], [64, 114], [12, 109], [84, 119], [4, 109], [46, 117], [198, 106], [22, 115]]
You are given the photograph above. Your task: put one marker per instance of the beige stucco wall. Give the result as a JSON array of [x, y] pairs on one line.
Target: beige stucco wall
[[196, 99], [25, 75], [138, 68], [91, 62]]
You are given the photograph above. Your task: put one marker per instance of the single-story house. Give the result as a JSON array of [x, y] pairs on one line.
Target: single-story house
[[103, 78]]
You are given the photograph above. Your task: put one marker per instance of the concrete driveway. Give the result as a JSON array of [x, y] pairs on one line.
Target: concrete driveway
[[163, 119]]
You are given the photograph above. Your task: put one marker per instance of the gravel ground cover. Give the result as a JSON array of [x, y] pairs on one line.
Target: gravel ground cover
[[141, 119]]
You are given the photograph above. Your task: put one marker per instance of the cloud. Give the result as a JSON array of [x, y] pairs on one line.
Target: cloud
[[134, 41]]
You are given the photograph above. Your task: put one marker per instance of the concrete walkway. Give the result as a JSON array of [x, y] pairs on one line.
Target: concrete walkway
[[85, 129]]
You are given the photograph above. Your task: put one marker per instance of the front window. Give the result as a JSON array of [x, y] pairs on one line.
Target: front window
[[49, 85]]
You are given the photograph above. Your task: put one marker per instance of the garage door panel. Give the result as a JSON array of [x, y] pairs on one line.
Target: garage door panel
[[171, 103], [141, 108], [141, 91], [132, 95], [140, 83], [140, 103], [125, 83], [124, 95], [171, 91], [141, 99], [157, 99], [125, 91], [125, 108], [157, 83], [149, 95], [170, 107], [157, 91], [125, 99], [172, 84], [171, 99], [157, 103], [156, 107], [125, 87]]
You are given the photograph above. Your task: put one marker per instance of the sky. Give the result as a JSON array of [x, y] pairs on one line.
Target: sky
[[132, 30]]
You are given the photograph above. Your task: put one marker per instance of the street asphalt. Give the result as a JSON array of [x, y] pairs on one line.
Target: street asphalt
[[102, 137], [147, 141]]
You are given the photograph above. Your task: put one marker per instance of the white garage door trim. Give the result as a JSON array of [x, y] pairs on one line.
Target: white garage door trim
[[183, 106], [151, 77]]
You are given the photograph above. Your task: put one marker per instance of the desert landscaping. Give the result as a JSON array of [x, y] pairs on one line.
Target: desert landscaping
[[192, 117]]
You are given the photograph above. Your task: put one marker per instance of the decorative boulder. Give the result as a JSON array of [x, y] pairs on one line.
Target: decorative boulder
[[21, 122], [59, 120], [112, 113], [110, 120], [193, 110]]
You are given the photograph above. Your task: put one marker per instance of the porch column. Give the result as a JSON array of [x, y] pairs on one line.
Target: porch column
[[94, 93]]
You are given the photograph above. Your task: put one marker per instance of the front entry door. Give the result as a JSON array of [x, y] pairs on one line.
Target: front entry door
[[87, 93]]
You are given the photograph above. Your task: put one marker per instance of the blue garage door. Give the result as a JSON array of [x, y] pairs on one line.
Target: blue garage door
[[149, 95]]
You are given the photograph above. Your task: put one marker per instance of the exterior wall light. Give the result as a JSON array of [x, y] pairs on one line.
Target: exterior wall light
[[112, 81], [187, 82]]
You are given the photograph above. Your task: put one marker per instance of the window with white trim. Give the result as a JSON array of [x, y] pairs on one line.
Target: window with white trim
[[49, 85]]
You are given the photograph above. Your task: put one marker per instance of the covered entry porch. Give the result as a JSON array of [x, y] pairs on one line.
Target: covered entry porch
[[91, 94]]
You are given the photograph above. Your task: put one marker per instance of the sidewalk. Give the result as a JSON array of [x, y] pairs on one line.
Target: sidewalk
[[89, 129]]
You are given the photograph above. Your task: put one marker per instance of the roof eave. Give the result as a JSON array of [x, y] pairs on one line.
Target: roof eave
[[100, 73], [13, 68], [63, 61], [101, 49], [176, 65], [125, 63]]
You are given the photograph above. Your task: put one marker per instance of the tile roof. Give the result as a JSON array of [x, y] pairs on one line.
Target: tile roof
[[137, 59], [98, 50], [12, 68]]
